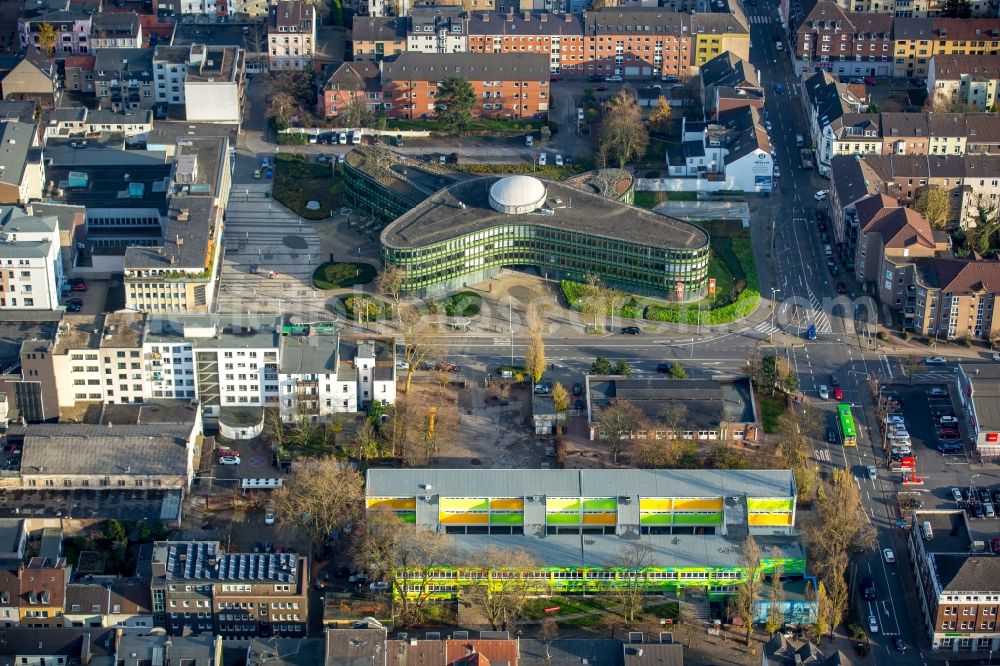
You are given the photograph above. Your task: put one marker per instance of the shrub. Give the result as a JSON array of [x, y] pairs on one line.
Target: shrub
[[292, 139], [338, 276], [463, 304]]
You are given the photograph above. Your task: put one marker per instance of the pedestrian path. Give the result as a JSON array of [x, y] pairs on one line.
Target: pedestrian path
[[759, 18], [818, 316]]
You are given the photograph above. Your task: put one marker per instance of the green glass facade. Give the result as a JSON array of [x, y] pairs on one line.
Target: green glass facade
[[557, 253]]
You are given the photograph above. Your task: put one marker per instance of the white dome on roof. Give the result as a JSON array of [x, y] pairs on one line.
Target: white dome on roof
[[517, 194]]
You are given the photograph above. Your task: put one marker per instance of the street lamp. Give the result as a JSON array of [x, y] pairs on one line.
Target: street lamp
[[774, 307], [972, 482]]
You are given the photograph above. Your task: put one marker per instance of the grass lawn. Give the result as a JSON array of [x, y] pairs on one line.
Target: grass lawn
[[337, 276], [770, 410], [297, 182], [570, 605], [549, 171]]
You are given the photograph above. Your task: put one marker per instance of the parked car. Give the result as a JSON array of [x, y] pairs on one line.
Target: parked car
[[378, 587], [542, 159], [995, 546], [269, 516], [889, 556], [956, 494], [559, 160], [614, 78], [542, 389], [78, 284], [873, 624], [74, 305], [934, 360], [229, 460], [872, 472], [841, 288], [631, 330], [937, 391], [948, 433], [358, 578], [824, 392], [870, 81], [402, 365], [601, 87], [949, 447], [256, 174], [529, 140], [577, 389], [821, 195], [399, 140], [778, 88], [663, 368], [594, 78]]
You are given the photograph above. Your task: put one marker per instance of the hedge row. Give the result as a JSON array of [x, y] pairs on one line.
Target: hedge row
[[682, 313]]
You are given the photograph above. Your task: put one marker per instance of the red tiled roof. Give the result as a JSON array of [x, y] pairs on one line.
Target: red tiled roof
[[80, 61]]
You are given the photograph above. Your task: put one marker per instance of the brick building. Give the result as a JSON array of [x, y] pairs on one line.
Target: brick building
[[844, 43], [559, 36], [42, 592], [506, 86], [198, 587], [958, 588]]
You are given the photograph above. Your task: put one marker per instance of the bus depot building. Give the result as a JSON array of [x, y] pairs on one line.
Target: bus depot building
[[579, 526]]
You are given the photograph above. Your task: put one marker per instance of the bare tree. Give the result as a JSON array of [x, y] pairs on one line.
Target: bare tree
[[623, 130], [633, 560], [616, 423], [419, 341], [319, 497], [748, 591], [274, 427], [501, 596], [366, 441], [404, 556], [389, 283], [841, 524], [776, 601]]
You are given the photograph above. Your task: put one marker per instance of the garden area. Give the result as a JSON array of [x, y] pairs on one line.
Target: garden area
[[363, 308], [462, 304], [547, 172], [651, 200], [334, 275], [297, 182], [598, 609], [731, 265]]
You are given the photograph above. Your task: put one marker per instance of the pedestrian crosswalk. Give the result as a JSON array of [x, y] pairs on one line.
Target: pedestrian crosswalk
[[759, 18], [818, 316], [765, 328]]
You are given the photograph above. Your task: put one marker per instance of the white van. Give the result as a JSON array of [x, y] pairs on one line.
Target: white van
[[926, 530], [799, 140], [356, 137]]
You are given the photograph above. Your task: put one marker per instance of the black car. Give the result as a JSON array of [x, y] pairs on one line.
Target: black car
[[984, 494], [631, 330], [831, 435], [996, 497], [594, 78], [663, 368], [821, 226], [577, 389], [898, 643], [74, 305], [977, 510], [579, 406], [834, 380]]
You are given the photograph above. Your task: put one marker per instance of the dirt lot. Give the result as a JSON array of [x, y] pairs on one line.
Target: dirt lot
[[493, 430]]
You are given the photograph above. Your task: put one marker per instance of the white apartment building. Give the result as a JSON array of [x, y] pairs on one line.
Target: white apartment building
[[438, 30], [98, 358], [207, 80], [291, 35], [31, 268], [321, 375]]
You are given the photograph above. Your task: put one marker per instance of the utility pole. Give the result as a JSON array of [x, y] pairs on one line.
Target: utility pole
[[510, 325]]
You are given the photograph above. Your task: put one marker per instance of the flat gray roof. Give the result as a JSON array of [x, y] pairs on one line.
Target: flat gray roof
[[246, 331], [64, 448], [464, 208], [708, 402], [580, 482], [16, 141], [316, 353], [985, 380]]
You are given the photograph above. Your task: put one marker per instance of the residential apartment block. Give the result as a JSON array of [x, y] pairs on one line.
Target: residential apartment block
[[437, 30], [964, 81], [72, 27], [917, 40], [826, 102], [631, 42], [957, 587], [116, 30], [199, 588], [207, 80], [914, 8], [352, 86], [31, 270], [506, 86], [124, 603], [374, 38], [42, 592], [20, 163], [728, 82], [844, 43], [291, 34], [123, 78]]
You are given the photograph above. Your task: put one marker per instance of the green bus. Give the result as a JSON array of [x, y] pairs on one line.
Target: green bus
[[848, 433]]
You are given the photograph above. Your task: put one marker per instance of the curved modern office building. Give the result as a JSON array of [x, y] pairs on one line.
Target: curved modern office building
[[467, 232]]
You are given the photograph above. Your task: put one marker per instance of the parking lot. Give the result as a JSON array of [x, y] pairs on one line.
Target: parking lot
[[256, 462], [922, 407]]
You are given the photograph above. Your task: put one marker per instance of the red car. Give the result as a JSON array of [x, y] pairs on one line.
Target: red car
[[838, 394], [78, 284], [601, 88], [948, 433], [995, 545], [841, 288], [870, 80]]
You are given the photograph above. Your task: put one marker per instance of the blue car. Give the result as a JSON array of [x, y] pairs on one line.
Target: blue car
[[269, 173], [811, 332], [778, 88]]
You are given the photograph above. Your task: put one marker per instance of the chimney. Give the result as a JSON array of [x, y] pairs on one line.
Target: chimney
[[568, 17], [543, 17], [85, 648], [486, 17], [527, 16]]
